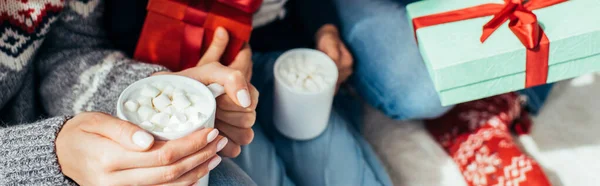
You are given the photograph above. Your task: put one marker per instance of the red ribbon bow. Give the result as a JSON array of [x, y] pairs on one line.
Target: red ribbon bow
[[523, 23]]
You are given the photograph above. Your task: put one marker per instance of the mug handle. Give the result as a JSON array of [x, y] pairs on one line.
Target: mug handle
[[216, 89]]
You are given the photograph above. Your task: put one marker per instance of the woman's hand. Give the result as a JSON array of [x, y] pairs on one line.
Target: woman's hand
[[243, 60], [234, 119], [236, 113], [328, 41], [236, 110], [98, 149]]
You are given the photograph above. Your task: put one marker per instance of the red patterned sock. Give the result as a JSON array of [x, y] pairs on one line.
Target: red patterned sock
[[477, 135]]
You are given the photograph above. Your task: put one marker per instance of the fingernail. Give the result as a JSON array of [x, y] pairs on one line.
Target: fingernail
[[214, 162], [221, 33], [142, 139], [222, 144], [212, 135], [244, 98]]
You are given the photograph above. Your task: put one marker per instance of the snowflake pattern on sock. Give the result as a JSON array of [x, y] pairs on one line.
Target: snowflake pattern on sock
[[477, 136]]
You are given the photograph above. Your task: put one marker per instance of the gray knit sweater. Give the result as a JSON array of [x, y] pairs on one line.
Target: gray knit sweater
[[53, 73]]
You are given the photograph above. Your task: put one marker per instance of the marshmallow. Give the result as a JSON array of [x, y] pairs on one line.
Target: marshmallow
[[147, 125], [289, 76], [311, 68], [305, 68], [149, 91], [168, 90], [299, 82], [292, 69], [180, 116], [184, 126], [145, 112], [161, 102], [195, 115], [144, 101], [309, 85], [180, 101], [131, 106], [178, 91], [169, 110], [159, 85], [160, 119], [303, 75], [174, 121], [169, 129], [195, 99], [161, 107], [318, 79]]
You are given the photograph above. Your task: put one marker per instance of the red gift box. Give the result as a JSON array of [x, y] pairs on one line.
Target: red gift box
[[177, 32]]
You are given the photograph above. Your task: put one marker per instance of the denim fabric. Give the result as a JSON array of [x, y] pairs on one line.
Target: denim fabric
[[229, 174], [536, 97], [339, 156], [389, 71]]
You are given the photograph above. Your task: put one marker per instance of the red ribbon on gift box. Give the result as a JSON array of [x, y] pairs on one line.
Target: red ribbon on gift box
[[177, 32], [523, 23]]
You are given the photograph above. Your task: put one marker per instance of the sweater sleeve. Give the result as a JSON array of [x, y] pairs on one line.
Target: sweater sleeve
[[27, 154], [78, 66]]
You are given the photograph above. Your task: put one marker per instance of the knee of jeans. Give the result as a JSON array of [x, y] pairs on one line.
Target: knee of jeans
[[390, 21], [415, 106]]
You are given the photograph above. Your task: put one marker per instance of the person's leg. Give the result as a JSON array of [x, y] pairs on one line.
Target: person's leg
[[389, 72], [229, 174], [339, 156], [261, 162], [536, 96], [259, 159]]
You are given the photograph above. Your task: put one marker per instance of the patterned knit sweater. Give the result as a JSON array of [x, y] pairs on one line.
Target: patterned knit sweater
[[48, 74]]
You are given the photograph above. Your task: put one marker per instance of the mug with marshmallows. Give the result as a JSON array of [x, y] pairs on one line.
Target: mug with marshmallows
[[170, 106], [305, 81]]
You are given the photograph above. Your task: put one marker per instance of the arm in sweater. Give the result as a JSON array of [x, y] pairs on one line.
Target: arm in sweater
[[80, 70], [27, 155]]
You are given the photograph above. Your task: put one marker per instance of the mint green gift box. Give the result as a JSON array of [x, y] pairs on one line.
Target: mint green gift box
[[464, 69]]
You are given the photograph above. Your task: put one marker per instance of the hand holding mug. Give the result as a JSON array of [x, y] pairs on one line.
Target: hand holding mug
[[98, 149], [328, 41], [236, 113]]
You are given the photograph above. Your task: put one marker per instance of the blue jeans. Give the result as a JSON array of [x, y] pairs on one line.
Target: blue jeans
[[229, 174], [339, 156], [389, 71]]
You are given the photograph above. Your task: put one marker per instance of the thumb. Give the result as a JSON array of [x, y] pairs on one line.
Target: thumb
[[126, 134], [217, 47]]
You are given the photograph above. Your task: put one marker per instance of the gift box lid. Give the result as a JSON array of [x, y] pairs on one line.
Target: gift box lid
[[455, 56], [196, 11], [175, 9]]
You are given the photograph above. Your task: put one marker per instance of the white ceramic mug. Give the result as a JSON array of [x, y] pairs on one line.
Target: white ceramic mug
[[303, 115], [208, 94]]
